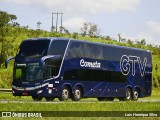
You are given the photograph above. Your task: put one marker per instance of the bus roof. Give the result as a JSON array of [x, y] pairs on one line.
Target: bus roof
[[48, 38], [84, 41], [111, 45]]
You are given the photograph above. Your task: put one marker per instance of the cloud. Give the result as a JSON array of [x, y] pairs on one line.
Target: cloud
[[154, 27], [150, 39], [74, 24], [147, 36], [151, 34], [76, 7]]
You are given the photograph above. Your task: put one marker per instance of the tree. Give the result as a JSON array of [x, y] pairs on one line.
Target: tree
[[75, 35], [130, 42], [91, 29], [108, 38], [12, 18], [39, 25], [123, 39], [143, 42], [63, 29], [52, 28], [5, 20], [84, 29]]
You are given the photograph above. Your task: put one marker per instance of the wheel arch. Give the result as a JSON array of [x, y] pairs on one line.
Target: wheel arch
[[69, 86], [130, 87], [139, 90]]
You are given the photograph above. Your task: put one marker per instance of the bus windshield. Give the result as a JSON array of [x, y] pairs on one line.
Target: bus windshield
[[28, 72], [33, 48]]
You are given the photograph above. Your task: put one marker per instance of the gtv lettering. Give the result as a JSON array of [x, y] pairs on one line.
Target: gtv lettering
[[128, 63]]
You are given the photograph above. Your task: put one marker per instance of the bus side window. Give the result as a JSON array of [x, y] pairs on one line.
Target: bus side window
[[76, 50], [58, 47], [93, 51]]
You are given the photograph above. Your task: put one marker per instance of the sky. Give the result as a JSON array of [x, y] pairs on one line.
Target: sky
[[133, 19]]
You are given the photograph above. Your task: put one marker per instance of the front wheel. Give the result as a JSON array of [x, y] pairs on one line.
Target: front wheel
[[64, 94], [37, 98], [77, 94]]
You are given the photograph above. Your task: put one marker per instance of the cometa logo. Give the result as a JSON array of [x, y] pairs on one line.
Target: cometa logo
[[90, 64]]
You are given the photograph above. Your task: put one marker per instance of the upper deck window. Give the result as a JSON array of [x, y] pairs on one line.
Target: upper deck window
[[85, 50], [58, 47], [33, 48], [76, 50], [93, 51]]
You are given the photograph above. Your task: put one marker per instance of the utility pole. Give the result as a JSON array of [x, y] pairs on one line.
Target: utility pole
[[52, 23], [57, 22], [61, 22], [57, 14]]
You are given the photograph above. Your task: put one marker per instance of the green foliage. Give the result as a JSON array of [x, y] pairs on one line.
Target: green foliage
[[5, 18], [5, 78], [155, 82], [91, 106], [90, 29], [75, 35]]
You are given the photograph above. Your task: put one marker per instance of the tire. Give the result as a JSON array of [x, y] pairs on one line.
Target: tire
[[128, 95], [135, 95], [65, 94], [37, 98], [77, 94], [110, 99], [101, 99], [49, 98]]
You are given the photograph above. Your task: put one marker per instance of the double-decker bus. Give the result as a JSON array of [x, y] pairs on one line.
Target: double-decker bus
[[66, 68]]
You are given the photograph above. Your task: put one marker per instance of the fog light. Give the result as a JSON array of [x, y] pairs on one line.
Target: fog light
[[39, 92], [50, 91], [13, 92]]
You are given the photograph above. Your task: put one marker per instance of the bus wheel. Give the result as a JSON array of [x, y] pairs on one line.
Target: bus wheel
[[49, 98], [135, 95], [65, 94], [77, 94], [101, 99], [37, 98], [128, 95], [110, 99]]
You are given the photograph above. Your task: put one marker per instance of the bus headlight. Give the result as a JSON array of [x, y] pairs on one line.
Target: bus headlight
[[39, 91]]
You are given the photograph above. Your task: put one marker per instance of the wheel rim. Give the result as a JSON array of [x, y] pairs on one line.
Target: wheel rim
[[128, 94], [135, 95], [65, 94], [77, 94]]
